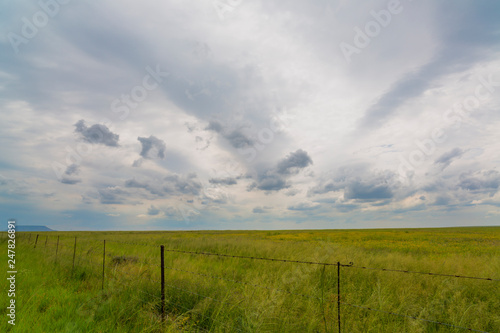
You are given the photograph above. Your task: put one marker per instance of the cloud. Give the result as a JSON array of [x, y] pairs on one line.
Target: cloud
[[112, 195], [462, 45], [151, 147], [224, 181], [276, 178], [214, 125], [304, 206], [171, 185], [69, 175], [368, 190], [294, 162], [270, 182], [153, 211], [259, 210], [359, 183], [442, 201], [448, 157], [236, 137], [483, 181], [97, 134]]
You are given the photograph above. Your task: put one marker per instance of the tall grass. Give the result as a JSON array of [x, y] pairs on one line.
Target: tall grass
[[220, 294]]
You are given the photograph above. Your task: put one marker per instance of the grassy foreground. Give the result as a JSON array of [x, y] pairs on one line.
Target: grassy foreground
[[223, 294]]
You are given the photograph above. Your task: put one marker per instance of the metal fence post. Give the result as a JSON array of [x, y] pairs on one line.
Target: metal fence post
[[338, 293], [36, 241], [103, 263], [162, 249], [46, 239]]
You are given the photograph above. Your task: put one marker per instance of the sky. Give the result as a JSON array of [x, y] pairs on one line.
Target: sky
[[248, 114]]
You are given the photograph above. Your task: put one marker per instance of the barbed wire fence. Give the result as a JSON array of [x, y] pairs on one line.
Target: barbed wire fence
[[161, 298]]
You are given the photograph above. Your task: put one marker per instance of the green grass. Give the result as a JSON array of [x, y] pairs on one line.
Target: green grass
[[220, 294]]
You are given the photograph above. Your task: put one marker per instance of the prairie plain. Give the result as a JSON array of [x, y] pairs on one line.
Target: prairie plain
[[211, 284]]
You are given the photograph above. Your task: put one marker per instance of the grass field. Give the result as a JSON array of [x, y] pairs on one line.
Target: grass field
[[223, 294]]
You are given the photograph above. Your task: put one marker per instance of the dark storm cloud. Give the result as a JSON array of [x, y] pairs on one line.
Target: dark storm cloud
[[154, 145], [448, 157], [97, 134]]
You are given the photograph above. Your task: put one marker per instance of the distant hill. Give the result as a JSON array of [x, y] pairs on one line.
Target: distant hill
[[32, 228]]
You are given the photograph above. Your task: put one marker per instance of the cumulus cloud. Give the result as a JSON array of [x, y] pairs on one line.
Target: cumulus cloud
[[152, 147], [276, 178], [97, 134], [69, 176], [294, 162]]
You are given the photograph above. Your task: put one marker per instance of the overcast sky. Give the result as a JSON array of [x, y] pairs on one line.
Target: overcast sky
[[246, 114]]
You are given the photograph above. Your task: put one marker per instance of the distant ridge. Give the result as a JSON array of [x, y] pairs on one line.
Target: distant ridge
[[32, 228]]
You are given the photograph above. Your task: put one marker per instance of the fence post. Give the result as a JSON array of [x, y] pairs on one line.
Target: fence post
[[46, 239], [338, 293], [103, 263], [74, 255], [162, 248], [36, 241]]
